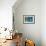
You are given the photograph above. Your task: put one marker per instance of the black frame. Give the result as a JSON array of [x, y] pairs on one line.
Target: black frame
[[28, 22]]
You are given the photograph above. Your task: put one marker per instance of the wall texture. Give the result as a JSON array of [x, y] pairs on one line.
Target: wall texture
[[43, 22], [30, 31]]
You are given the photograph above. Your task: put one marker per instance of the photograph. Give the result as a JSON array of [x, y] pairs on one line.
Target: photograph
[[29, 19]]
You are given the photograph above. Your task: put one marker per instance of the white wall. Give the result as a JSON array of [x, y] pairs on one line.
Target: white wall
[[6, 13], [31, 31], [43, 20]]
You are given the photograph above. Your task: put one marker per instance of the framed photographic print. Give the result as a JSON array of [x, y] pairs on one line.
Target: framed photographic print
[[29, 19]]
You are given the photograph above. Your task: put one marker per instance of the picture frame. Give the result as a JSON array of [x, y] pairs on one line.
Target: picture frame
[[28, 19]]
